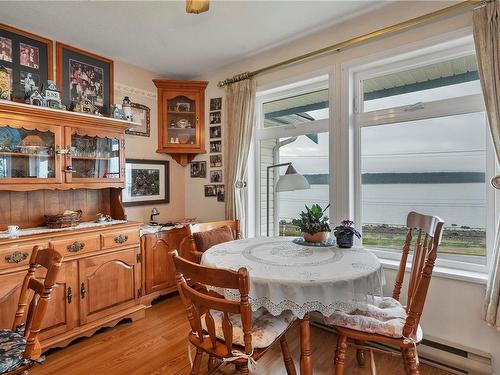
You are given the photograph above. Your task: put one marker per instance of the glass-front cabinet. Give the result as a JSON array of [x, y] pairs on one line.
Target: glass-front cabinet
[[94, 156], [30, 153], [181, 119]]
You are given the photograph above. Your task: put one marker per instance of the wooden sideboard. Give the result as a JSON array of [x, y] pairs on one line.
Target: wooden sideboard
[[99, 283], [157, 267]]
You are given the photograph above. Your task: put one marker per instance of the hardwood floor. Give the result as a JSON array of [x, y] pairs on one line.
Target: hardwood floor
[[158, 345]]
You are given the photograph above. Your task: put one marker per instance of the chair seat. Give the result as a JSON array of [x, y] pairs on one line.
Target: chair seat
[[385, 316], [266, 328], [12, 345]]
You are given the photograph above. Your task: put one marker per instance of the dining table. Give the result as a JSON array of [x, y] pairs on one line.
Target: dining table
[[287, 274]]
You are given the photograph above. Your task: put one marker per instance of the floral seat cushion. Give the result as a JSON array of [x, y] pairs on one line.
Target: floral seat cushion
[[385, 316], [12, 345], [266, 328]]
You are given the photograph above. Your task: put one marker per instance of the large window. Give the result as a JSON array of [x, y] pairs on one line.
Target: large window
[[423, 143], [293, 129]]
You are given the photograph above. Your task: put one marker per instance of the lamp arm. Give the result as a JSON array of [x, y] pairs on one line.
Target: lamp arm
[[267, 191]]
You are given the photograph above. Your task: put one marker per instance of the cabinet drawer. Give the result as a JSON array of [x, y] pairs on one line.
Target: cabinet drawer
[[76, 245], [119, 238], [17, 255]]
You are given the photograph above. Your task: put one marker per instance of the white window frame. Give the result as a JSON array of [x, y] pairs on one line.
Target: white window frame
[[315, 81], [469, 104]]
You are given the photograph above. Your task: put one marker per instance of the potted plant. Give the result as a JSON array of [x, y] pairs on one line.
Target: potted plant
[[313, 225], [345, 233]]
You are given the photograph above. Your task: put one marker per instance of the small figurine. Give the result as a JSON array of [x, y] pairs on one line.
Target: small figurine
[[118, 113], [36, 98], [127, 108], [52, 97], [85, 106]]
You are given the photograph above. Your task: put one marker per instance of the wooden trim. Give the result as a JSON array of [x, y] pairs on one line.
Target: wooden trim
[[59, 56], [48, 42], [24, 186]]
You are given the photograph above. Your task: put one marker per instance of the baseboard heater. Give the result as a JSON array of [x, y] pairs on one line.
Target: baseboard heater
[[438, 353]]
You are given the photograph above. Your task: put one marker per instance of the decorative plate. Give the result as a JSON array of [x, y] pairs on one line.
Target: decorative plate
[[9, 137], [182, 123], [328, 243]]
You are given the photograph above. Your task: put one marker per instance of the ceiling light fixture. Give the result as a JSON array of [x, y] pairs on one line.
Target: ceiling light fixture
[[197, 6]]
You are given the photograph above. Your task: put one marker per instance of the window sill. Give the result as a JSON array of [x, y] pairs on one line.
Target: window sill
[[443, 272]]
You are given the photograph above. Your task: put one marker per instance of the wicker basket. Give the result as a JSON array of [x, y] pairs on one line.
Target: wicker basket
[[63, 220]]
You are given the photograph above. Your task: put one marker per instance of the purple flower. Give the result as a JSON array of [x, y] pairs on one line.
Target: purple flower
[[347, 223]]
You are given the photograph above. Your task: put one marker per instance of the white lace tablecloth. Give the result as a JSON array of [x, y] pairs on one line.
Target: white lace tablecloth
[[289, 276]]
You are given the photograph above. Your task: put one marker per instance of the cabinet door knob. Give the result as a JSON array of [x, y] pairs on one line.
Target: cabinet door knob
[[83, 291], [76, 246], [69, 294], [16, 257], [121, 238]]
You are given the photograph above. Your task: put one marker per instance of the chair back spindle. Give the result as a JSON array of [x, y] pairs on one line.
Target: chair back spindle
[[35, 297], [200, 304], [424, 235]]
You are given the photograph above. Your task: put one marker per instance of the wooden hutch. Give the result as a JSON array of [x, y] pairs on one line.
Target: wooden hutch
[[52, 161], [181, 119]]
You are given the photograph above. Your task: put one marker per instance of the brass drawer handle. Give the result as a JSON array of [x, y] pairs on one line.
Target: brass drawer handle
[[121, 238], [16, 257], [76, 246], [69, 294], [83, 291]]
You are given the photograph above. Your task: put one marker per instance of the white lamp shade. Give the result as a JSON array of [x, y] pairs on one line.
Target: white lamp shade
[[291, 181]]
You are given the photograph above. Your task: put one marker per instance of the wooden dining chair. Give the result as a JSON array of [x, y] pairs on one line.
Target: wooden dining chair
[[224, 329], [19, 347], [387, 321], [200, 237]]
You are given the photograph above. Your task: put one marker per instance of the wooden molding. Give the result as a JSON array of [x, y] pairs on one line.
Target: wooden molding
[[133, 91]]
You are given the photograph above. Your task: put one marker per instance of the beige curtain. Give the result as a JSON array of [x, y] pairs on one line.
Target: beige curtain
[[487, 39], [240, 114]]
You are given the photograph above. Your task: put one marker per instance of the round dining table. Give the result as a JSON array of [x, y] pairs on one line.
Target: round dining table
[[285, 274]]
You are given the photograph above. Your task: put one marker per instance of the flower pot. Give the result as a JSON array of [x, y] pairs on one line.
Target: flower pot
[[316, 237], [345, 240]]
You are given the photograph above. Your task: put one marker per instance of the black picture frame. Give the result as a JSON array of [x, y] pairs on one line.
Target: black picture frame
[[40, 65], [69, 58], [140, 108], [146, 164], [198, 169], [210, 190], [216, 104]]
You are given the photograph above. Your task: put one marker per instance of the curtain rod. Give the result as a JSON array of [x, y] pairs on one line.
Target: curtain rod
[[338, 47]]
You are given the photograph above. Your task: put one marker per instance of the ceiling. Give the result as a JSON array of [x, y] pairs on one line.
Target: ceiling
[[161, 37]]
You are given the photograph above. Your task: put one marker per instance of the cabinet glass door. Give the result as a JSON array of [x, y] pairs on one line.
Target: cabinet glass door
[[182, 121], [28, 154], [95, 157]]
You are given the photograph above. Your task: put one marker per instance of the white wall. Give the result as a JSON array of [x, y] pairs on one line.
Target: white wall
[[453, 309]]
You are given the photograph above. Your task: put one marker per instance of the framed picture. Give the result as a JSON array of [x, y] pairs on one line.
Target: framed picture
[[146, 182], [210, 190], [216, 104], [28, 58], [215, 146], [215, 131], [199, 169], [141, 114], [214, 118], [82, 74], [216, 176], [215, 161], [221, 194]]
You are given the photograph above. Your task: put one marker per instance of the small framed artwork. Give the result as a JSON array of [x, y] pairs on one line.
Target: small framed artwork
[[214, 118], [216, 104], [82, 74], [215, 131], [215, 146], [216, 176], [210, 190], [140, 114], [215, 161], [221, 194], [28, 58], [146, 182], [199, 169]]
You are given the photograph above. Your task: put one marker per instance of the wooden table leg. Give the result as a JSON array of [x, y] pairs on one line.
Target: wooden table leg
[[305, 346]]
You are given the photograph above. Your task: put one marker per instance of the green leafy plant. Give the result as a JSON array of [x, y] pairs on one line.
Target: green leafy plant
[[346, 227], [312, 220]]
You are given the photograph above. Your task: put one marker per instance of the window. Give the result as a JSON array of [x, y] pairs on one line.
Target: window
[[423, 146], [293, 129]]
